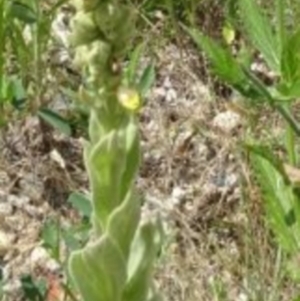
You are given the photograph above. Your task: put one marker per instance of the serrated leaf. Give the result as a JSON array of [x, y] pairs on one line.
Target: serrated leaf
[[290, 60], [289, 91], [260, 32], [264, 152], [55, 120], [99, 271], [224, 64], [81, 203], [23, 12], [282, 204]]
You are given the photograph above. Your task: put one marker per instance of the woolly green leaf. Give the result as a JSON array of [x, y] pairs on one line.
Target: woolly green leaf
[[105, 163], [84, 29], [260, 33], [123, 223], [142, 255], [96, 130], [132, 157], [99, 271]]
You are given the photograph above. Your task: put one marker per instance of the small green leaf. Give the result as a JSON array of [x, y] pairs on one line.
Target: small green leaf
[[7, 90], [147, 79], [23, 12], [19, 93], [50, 236], [72, 240], [81, 203], [33, 291], [55, 120], [133, 64]]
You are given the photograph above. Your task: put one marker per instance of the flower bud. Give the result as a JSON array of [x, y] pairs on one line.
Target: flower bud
[[129, 99], [84, 29]]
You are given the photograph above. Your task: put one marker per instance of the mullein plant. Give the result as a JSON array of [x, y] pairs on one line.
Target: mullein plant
[[117, 262]]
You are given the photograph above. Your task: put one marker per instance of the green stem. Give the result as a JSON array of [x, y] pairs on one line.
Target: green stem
[[290, 145], [274, 103], [289, 118], [290, 142], [37, 56], [2, 47]]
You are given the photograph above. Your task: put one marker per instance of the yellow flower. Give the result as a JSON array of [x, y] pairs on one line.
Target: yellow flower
[[129, 99], [228, 34]]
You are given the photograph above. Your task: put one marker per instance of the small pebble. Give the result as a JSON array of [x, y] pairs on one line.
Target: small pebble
[[12, 287], [178, 195], [227, 121], [17, 201], [5, 209], [5, 243]]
